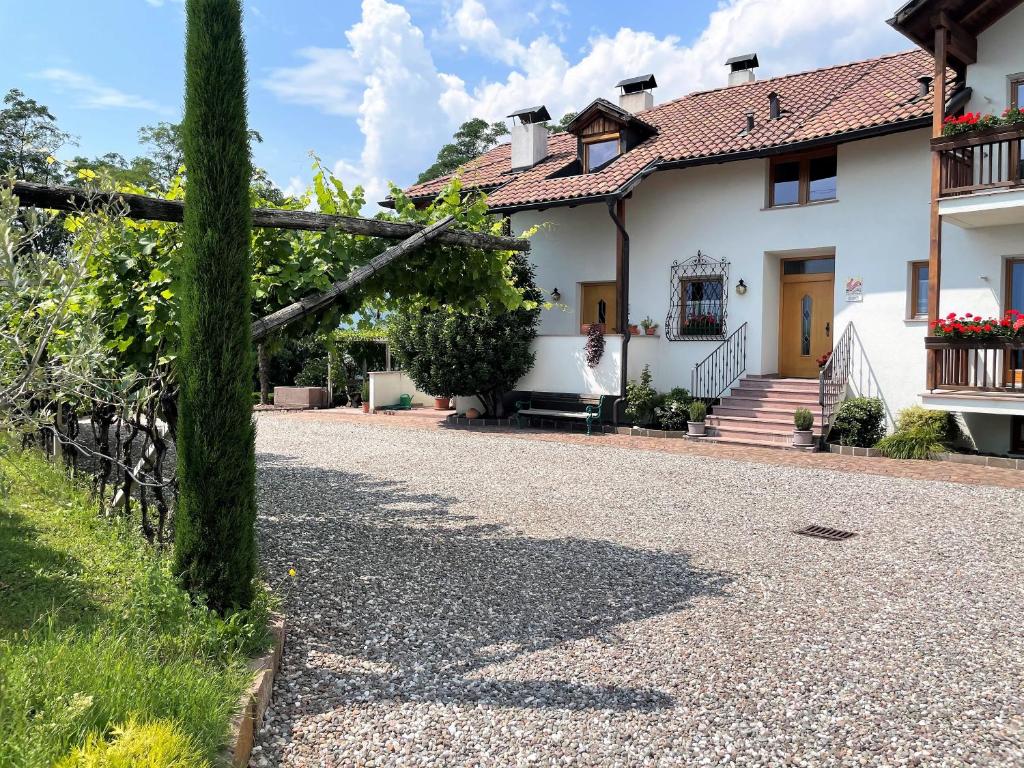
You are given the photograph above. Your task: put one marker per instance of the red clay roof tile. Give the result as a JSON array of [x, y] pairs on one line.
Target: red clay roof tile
[[816, 104]]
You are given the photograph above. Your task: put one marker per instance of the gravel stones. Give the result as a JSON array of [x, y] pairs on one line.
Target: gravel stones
[[470, 599]]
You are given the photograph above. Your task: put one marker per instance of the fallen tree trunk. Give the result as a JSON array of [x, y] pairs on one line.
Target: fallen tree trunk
[[307, 306], [64, 198]]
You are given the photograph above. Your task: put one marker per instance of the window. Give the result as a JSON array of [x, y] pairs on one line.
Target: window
[[918, 290], [600, 150], [823, 265], [699, 294], [701, 313], [802, 179], [1017, 91]]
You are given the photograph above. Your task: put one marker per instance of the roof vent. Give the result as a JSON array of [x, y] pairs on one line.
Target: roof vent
[[774, 107], [749, 127], [924, 86], [741, 68], [635, 93], [529, 137]]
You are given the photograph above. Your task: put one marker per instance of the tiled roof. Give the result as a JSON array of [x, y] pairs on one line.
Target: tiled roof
[[839, 100]]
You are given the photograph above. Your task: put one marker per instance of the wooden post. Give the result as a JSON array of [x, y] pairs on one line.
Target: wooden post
[[935, 239]]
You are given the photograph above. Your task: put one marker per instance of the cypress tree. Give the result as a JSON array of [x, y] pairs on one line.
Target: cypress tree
[[215, 548]]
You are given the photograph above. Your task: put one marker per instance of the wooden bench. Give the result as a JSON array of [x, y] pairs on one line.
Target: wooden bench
[[557, 405]]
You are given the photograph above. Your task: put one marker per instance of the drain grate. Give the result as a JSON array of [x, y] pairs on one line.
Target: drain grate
[[824, 532]]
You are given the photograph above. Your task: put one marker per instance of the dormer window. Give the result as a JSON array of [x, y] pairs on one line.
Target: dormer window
[[600, 150]]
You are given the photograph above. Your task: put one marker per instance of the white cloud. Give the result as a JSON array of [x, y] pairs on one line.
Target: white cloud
[[91, 94], [386, 78]]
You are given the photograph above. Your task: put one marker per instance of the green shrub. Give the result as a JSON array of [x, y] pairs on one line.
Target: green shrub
[[158, 744], [803, 419], [859, 422], [698, 411], [641, 399], [365, 391], [920, 434], [672, 415]]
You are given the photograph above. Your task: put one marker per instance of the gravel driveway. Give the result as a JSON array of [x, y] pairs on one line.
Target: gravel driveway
[[473, 599]]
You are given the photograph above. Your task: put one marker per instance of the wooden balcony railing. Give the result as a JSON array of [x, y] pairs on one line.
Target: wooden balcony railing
[[982, 161], [983, 365]]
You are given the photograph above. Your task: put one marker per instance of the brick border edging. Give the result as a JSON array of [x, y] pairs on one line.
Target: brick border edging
[[999, 462], [254, 702]]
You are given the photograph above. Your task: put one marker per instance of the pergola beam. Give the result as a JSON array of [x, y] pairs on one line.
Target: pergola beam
[[304, 307], [64, 198]]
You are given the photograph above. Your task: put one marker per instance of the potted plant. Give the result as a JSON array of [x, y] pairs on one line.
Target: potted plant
[[803, 421], [649, 326], [442, 403], [698, 413], [365, 395], [634, 329], [585, 328]]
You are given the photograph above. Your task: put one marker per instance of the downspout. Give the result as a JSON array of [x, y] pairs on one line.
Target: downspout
[[617, 211]]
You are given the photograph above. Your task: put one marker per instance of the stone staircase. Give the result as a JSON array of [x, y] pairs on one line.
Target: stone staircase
[[759, 411]]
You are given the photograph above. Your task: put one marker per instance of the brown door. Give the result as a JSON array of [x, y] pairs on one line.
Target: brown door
[[598, 305], [805, 325]]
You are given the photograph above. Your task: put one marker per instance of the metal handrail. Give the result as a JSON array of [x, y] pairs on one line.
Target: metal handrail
[[713, 375], [834, 375]]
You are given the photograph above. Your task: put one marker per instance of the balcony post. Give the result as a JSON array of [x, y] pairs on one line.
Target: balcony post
[[935, 239]]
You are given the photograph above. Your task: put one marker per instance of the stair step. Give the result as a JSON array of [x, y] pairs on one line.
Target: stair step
[[755, 443], [743, 390], [758, 403], [802, 384], [765, 412], [773, 425], [754, 432]]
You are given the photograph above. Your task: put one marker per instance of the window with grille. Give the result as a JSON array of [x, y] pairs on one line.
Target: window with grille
[[698, 303]]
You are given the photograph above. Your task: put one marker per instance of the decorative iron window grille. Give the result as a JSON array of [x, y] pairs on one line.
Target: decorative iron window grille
[[700, 292]]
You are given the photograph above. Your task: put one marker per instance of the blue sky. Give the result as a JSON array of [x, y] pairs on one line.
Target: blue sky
[[374, 87]]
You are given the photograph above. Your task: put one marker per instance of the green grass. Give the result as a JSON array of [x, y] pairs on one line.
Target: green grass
[[94, 630]]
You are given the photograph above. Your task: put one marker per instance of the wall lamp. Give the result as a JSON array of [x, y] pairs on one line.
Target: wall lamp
[[555, 295], [741, 287]]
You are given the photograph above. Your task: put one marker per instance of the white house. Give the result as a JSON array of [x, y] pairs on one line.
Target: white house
[[769, 223]]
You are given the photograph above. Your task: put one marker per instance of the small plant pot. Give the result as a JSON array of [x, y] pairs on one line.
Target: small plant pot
[[803, 438], [442, 403], [634, 330], [651, 331], [696, 428], [366, 407]]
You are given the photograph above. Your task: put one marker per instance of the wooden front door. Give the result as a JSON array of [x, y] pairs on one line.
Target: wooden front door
[[598, 305], [805, 323]]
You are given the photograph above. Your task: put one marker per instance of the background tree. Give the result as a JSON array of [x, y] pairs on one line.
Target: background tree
[[483, 353], [215, 548], [560, 126], [28, 137], [473, 138]]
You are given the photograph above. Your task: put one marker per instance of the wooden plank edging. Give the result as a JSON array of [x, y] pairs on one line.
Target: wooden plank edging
[[254, 702]]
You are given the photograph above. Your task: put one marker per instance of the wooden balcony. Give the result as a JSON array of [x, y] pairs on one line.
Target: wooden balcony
[[984, 161], [993, 366]]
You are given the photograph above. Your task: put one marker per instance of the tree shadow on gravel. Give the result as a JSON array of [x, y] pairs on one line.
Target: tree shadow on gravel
[[399, 599]]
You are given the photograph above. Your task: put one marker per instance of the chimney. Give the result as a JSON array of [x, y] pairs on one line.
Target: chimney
[[741, 69], [924, 86], [774, 108], [529, 137], [749, 127], [635, 93]]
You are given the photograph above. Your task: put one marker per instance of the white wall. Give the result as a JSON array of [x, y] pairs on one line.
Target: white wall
[[877, 225], [576, 245], [387, 386], [561, 366], [999, 55]]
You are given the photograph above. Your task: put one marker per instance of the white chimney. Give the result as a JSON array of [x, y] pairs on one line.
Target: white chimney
[[529, 137], [636, 95], [741, 69]]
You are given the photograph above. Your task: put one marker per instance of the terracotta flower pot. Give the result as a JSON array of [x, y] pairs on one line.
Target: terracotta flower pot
[[651, 331], [696, 428], [634, 330], [366, 407], [442, 403]]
